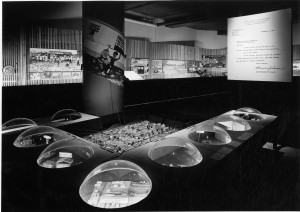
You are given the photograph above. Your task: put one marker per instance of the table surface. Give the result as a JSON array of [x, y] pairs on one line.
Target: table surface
[[65, 183]]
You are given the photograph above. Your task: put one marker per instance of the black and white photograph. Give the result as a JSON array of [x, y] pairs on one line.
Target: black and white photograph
[[150, 106]]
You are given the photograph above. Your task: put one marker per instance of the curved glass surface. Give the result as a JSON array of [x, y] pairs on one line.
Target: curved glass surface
[[209, 134], [232, 123], [17, 123], [38, 136], [115, 184], [66, 115], [249, 116], [248, 110], [175, 152], [65, 153]]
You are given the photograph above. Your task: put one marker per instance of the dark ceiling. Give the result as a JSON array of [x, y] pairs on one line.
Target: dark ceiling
[[203, 14]]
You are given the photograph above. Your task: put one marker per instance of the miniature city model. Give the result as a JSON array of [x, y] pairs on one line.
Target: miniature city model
[[130, 136], [118, 194]]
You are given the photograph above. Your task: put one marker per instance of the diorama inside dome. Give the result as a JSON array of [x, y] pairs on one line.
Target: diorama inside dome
[[66, 153], [115, 184], [38, 136], [18, 123], [66, 115], [175, 152], [232, 123], [248, 110], [249, 116], [209, 134]]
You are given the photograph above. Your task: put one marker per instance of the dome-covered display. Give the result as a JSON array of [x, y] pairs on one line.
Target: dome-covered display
[[38, 136], [65, 153], [209, 134], [65, 115], [232, 123], [249, 116], [17, 123], [248, 110], [115, 184], [175, 152]]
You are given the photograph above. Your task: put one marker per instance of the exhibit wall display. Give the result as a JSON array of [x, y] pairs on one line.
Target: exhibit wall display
[[156, 67], [103, 58], [259, 47], [296, 68], [214, 61], [103, 47], [140, 66], [174, 67], [53, 64]]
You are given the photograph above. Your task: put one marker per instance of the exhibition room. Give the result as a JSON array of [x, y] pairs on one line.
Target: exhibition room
[[150, 105]]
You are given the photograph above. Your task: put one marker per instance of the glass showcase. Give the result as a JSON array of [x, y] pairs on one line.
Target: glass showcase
[[249, 116], [66, 153], [209, 134], [232, 123], [18, 123], [38, 136], [115, 184], [66, 115], [175, 152], [248, 110]]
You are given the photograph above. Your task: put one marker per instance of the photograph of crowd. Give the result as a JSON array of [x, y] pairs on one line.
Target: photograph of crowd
[[214, 61], [47, 64]]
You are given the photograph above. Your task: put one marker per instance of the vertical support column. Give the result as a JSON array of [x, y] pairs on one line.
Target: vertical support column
[[103, 57], [22, 74]]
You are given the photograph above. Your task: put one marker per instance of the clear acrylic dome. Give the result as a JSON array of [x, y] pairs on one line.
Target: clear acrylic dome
[[65, 153], [232, 123], [18, 122], [38, 136], [65, 115], [115, 184], [249, 116], [209, 134], [248, 110], [175, 152]]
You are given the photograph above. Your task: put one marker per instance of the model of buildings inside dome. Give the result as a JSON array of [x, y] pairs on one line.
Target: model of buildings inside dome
[[249, 116], [232, 123], [175, 152], [18, 123], [115, 184], [38, 136], [248, 110], [130, 136], [209, 134], [66, 153], [66, 115]]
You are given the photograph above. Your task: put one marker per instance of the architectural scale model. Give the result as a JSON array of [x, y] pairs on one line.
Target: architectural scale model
[[124, 138]]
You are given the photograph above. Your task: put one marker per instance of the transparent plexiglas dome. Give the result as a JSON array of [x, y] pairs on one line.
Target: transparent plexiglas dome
[[38, 136], [17, 123], [232, 123], [249, 116], [175, 152], [65, 153], [65, 115], [209, 134], [248, 110], [115, 184]]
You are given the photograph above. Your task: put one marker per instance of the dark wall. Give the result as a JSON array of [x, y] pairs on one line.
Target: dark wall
[[213, 96], [170, 100], [39, 101]]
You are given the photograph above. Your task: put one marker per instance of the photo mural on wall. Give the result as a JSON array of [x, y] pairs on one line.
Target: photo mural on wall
[[104, 50], [157, 67], [140, 66], [54, 64]]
